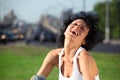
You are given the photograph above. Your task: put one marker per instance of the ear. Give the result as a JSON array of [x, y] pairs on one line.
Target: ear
[[84, 42]]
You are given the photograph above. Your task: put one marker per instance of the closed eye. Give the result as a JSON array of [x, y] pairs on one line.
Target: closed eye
[[82, 28], [75, 24]]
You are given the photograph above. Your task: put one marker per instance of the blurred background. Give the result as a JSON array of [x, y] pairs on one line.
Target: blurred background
[[40, 21], [29, 28]]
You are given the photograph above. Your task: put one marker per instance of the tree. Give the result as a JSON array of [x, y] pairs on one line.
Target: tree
[[114, 20], [100, 9], [114, 17]]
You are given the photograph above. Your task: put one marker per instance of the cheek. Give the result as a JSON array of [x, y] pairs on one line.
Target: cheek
[[86, 32], [83, 35], [67, 29]]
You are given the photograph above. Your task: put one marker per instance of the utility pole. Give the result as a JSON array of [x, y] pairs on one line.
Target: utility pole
[[1, 17], [107, 26]]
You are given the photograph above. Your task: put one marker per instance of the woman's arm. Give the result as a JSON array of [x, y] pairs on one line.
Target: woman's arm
[[88, 66], [49, 62]]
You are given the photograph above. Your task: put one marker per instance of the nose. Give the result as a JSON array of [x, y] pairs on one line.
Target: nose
[[77, 27]]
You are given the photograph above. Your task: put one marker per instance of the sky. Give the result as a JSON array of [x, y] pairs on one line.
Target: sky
[[31, 10]]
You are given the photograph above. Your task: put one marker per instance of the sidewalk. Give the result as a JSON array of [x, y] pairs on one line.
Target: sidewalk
[[110, 48]]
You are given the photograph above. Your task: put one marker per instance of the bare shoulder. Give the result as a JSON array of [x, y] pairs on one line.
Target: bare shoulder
[[84, 55], [55, 52], [52, 57], [87, 63]]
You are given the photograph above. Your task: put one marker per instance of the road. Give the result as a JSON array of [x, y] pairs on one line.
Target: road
[[109, 48]]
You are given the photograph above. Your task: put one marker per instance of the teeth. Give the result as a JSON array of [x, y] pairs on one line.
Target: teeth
[[75, 33]]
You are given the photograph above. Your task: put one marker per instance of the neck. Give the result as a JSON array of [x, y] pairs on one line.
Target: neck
[[70, 49]]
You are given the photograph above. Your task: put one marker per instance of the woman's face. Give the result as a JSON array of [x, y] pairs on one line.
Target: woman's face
[[77, 31]]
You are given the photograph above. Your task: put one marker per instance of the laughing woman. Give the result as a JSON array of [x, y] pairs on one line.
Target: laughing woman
[[79, 34]]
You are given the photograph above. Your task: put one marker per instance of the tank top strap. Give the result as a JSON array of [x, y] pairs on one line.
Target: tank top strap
[[62, 52], [78, 52], [60, 56]]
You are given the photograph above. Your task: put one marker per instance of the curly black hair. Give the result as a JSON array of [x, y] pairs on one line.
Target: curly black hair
[[94, 36]]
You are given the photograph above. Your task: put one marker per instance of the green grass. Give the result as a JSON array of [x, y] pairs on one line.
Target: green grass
[[21, 62]]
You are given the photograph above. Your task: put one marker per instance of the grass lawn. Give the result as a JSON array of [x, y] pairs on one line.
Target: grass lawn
[[21, 62]]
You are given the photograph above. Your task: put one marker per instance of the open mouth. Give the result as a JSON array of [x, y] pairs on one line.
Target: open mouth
[[74, 33]]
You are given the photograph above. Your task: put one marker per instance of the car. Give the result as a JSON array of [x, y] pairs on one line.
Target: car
[[45, 35], [37, 34], [48, 36], [4, 37]]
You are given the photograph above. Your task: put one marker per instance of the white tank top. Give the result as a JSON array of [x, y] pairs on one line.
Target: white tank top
[[76, 75]]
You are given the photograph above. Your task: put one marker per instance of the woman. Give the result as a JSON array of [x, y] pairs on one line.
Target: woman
[[79, 34]]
